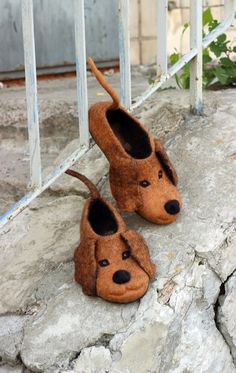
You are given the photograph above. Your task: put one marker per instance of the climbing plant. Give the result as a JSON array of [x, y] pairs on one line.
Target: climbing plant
[[218, 65]]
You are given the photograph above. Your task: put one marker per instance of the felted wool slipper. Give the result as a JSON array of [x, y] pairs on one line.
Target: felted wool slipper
[[142, 178], [111, 261]]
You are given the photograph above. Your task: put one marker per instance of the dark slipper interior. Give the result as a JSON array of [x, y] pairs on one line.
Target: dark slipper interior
[[101, 218], [132, 137]]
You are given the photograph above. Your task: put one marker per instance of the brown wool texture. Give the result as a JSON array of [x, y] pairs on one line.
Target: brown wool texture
[[123, 250], [145, 183]]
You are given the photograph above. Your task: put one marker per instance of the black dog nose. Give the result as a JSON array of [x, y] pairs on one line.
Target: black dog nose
[[121, 276], [172, 207]]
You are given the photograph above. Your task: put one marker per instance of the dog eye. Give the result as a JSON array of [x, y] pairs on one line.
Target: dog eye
[[126, 254], [103, 262], [144, 183], [160, 174]]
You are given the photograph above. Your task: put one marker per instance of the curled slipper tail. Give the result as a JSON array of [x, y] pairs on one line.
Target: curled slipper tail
[[100, 78], [92, 188]]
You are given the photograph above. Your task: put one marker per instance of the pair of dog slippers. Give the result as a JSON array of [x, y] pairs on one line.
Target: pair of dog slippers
[[112, 261]]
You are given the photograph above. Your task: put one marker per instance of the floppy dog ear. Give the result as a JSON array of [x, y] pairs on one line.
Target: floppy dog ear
[[86, 266], [139, 251], [165, 162], [124, 185]]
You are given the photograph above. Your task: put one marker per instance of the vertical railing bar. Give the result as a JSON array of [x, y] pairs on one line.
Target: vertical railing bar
[[161, 59], [81, 72], [196, 63], [31, 93], [124, 52]]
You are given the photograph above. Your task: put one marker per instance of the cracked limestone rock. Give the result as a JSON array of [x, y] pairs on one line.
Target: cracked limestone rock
[[226, 317], [194, 343], [93, 165], [38, 241], [70, 322], [178, 336], [93, 359], [12, 369], [11, 334]]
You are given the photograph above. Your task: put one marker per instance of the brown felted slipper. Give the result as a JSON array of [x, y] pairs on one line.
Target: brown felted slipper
[[111, 261], [142, 178]]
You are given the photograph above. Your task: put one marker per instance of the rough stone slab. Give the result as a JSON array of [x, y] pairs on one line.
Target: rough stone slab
[[9, 369], [38, 241], [226, 317], [223, 258], [53, 283], [194, 343], [178, 336], [69, 322], [147, 333], [93, 165], [11, 334], [163, 119], [92, 359], [199, 345]]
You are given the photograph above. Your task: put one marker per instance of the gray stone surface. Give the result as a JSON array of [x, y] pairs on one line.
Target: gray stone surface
[[36, 243], [94, 165], [178, 336], [226, 314], [11, 334], [69, 322], [172, 329], [92, 359], [11, 369]]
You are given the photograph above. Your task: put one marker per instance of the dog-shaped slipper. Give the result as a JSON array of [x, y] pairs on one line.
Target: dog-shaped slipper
[[142, 178], [111, 261]]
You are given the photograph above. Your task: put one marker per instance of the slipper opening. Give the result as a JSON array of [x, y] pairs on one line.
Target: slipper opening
[[101, 218], [132, 137]]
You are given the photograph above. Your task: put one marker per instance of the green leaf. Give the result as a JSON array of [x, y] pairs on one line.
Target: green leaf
[[207, 77], [206, 57], [213, 24], [215, 48], [177, 81], [222, 75], [207, 17], [221, 38], [174, 57], [186, 25], [227, 62], [150, 80], [184, 77]]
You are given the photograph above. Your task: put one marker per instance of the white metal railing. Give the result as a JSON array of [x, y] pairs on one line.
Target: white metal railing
[[37, 185]]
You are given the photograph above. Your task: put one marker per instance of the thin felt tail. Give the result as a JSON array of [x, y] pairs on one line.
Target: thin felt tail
[[86, 181], [100, 78]]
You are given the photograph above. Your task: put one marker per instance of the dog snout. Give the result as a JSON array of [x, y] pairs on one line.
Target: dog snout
[[121, 276], [172, 207]]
